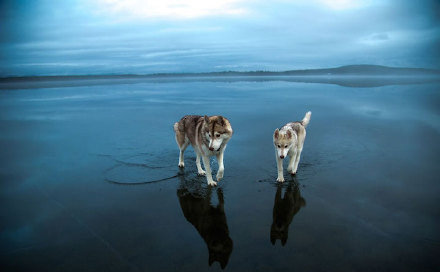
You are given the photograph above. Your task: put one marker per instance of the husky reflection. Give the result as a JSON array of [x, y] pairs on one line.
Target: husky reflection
[[284, 209], [210, 222]]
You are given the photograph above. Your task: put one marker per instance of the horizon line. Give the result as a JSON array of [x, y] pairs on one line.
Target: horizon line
[[419, 69]]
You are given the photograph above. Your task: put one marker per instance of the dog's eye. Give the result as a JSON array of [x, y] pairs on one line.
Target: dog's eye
[[217, 135], [285, 146], [279, 146]]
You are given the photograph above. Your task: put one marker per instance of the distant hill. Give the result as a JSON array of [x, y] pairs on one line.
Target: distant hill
[[348, 70], [349, 76], [362, 70]]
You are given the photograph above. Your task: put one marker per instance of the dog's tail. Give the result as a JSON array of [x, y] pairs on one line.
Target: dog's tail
[[306, 120]]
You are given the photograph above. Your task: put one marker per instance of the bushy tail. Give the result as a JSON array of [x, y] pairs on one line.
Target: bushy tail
[[306, 120]]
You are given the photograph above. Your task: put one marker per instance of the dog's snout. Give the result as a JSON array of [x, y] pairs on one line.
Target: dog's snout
[[211, 148], [282, 156]]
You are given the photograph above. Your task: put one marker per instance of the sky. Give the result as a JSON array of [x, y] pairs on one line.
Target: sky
[[41, 37]]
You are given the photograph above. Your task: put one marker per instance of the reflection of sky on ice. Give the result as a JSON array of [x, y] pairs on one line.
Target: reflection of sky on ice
[[368, 174]]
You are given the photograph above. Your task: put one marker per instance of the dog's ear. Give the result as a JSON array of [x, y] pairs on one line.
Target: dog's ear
[[273, 239], [221, 121], [210, 259], [289, 134], [276, 133], [284, 239], [206, 119]]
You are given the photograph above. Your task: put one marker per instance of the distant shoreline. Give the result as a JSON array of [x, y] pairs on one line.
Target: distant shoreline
[[361, 71]]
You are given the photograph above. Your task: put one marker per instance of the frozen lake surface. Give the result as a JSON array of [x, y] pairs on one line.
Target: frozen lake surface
[[366, 196]]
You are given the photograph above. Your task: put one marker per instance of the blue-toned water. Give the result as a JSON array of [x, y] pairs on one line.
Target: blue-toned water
[[366, 196]]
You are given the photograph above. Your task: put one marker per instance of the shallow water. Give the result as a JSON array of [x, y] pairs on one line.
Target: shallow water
[[366, 196]]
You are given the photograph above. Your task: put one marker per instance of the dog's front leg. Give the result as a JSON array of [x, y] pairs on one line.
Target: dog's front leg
[[200, 170], [208, 171], [292, 161], [221, 167], [280, 168], [298, 156]]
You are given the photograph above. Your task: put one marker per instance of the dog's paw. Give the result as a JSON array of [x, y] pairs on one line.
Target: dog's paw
[[293, 173], [212, 183], [219, 175], [181, 165], [201, 173], [280, 179]]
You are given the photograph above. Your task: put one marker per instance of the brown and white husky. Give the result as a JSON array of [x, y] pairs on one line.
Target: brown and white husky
[[208, 136], [289, 140]]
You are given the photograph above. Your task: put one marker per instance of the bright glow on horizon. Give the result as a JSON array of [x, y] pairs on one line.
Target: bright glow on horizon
[[344, 4], [173, 9]]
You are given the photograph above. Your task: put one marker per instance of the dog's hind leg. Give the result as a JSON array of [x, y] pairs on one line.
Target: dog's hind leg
[[200, 170], [182, 142], [182, 146]]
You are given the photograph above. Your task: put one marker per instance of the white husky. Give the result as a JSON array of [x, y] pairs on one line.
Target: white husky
[[289, 140], [208, 136]]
